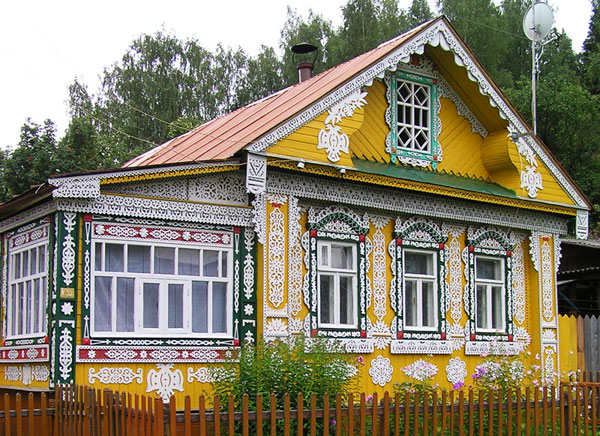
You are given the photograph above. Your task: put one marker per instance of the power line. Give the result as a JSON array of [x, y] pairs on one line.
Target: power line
[[491, 27]]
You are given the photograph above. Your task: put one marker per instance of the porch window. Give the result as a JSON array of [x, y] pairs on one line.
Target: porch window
[[27, 284], [490, 290], [162, 289], [420, 293], [337, 279]]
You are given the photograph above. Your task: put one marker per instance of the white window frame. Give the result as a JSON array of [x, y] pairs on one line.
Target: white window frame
[[337, 273], [420, 278], [163, 280], [412, 127], [489, 283], [13, 284]]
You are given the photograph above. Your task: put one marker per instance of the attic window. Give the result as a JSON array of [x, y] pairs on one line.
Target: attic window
[[412, 117]]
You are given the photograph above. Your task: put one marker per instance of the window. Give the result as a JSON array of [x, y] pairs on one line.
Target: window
[[336, 246], [420, 293], [27, 283], [412, 113], [419, 261], [488, 302], [489, 284], [337, 281], [154, 289]]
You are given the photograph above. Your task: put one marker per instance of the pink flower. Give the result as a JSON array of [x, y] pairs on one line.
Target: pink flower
[[457, 385], [360, 360]]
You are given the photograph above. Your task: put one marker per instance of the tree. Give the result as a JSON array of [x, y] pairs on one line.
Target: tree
[[33, 161], [590, 56], [418, 13]]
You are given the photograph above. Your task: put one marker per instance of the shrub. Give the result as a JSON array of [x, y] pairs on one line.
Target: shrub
[[294, 366]]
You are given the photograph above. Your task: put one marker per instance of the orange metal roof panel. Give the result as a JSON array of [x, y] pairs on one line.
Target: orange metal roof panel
[[222, 137]]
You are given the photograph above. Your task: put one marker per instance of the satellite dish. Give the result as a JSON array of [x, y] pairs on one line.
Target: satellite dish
[[544, 19]]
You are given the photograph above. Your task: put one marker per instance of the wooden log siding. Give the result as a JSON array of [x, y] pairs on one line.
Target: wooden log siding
[[570, 409]]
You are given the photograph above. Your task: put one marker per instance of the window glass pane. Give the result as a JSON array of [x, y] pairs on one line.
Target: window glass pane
[[102, 304], [42, 259], [189, 262], [150, 311], [138, 259], [175, 304], [164, 260], [497, 308], [418, 263], [489, 269], [324, 255], [25, 263], [341, 256], [326, 301], [33, 261], [125, 307], [199, 307], [44, 296], [21, 309], [223, 264], [410, 303], [17, 265], [114, 257], [28, 307], [428, 313], [37, 310], [346, 300], [219, 313], [98, 257], [482, 305], [14, 299], [211, 263]]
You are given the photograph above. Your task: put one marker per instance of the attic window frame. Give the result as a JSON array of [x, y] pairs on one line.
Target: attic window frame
[[411, 155]]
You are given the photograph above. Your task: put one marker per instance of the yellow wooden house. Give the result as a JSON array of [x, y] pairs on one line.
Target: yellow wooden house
[[396, 205]]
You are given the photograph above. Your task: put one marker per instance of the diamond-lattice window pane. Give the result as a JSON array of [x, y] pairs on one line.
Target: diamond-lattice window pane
[[421, 141], [404, 92], [404, 137], [421, 96]]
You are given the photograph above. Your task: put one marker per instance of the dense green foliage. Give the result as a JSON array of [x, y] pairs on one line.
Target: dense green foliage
[[164, 86], [282, 367]]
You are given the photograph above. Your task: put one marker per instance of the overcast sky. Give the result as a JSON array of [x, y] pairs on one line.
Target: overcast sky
[[45, 44]]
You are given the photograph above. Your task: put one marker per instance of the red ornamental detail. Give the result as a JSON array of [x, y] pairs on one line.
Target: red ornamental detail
[[46, 340], [313, 233], [85, 341], [363, 334], [471, 249], [414, 60], [361, 238], [472, 337], [237, 230], [508, 253], [277, 205], [236, 342], [400, 335], [87, 217], [510, 338], [441, 245], [435, 157], [443, 336], [434, 81], [398, 241], [545, 238], [314, 333]]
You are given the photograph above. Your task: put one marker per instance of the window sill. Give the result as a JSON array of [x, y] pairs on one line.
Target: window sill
[[484, 348], [24, 353], [411, 346], [348, 345], [149, 354]]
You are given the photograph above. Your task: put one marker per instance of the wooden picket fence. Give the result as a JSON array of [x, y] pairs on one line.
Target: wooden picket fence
[[76, 410]]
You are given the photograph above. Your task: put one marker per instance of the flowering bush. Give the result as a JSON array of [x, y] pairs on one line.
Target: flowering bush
[[421, 372]]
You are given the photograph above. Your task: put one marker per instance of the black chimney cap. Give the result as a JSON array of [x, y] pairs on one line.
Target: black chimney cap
[[304, 47]]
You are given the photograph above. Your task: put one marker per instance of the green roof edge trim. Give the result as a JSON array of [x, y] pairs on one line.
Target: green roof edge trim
[[433, 178]]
